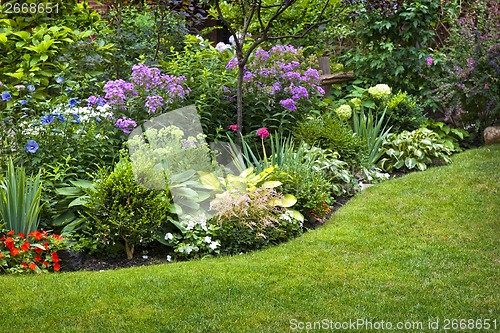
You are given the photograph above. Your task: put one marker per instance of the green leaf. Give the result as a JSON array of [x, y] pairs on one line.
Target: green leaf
[[410, 163]]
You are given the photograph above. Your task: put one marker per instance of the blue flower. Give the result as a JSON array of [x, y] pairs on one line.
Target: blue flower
[[6, 96], [60, 118], [31, 88], [48, 119], [68, 90], [31, 146], [98, 119], [77, 119], [23, 101], [59, 80], [73, 102]]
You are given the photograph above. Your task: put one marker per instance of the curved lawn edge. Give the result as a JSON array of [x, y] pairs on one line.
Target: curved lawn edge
[[420, 248]]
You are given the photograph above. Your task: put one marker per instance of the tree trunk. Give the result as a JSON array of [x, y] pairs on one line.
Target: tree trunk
[[239, 99], [129, 249]]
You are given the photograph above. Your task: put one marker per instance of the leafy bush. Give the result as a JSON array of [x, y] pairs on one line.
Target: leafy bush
[[414, 150], [372, 134], [34, 253], [20, 200], [331, 133], [404, 112], [253, 220], [452, 138], [118, 210], [467, 90]]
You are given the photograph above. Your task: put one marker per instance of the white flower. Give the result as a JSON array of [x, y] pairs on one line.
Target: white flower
[[208, 239], [169, 258], [221, 47], [169, 236], [214, 245], [145, 257], [380, 91], [285, 217], [191, 225]]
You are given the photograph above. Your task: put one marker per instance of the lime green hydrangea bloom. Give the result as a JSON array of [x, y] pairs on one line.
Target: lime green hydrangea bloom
[[344, 112], [380, 91], [356, 103]]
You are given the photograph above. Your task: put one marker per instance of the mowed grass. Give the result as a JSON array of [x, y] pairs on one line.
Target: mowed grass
[[417, 249]]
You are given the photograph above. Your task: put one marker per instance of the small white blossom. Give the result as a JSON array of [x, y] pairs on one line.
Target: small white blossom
[[145, 257], [169, 236], [208, 239], [214, 245], [221, 47], [169, 258]]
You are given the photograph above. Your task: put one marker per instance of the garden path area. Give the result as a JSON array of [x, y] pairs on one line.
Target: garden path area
[[414, 249]]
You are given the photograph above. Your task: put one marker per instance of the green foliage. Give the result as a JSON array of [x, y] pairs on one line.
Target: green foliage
[[404, 112], [20, 200], [414, 150], [451, 137], [392, 41], [329, 132], [118, 210], [253, 220], [372, 132]]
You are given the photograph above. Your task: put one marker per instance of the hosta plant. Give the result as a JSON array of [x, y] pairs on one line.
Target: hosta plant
[[414, 150], [35, 252]]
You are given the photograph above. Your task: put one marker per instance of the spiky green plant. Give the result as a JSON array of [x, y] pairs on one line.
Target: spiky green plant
[[20, 200]]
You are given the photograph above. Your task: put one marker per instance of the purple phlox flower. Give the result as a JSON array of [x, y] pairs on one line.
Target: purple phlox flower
[[73, 102], [31, 88], [117, 91], [265, 72], [312, 74], [470, 62], [295, 64], [31, 146], [261, 55], [289, 104], [286, 67], [101, 101], [232, 64], [125, 124], [281, 49], [263, 133], [248, 76], [153, 103], [429, 61], [6, 96], [320, 90], [290, 76], [276, 87], [76, 119], [48, 119], [92, 100], [299, 92]]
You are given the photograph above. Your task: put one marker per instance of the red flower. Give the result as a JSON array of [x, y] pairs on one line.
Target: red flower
[[38, 258], [3, 238], [14, 251], [21, 235], [55, 257], [1, 256], [25, 246], [11, 232], [57, 267], [36, 234], [46, 263], [32, 266], [57, 237], [46, 245], [263, 133], [38, 250], [25, 265], [9, 242], [233, 127]]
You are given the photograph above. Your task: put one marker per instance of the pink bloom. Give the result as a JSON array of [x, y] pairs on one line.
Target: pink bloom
[[430, 61], [263, 133], [233, 127]]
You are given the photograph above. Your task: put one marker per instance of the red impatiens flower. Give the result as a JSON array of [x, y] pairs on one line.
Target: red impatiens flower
[[38, 250], [32, 266], [46, 245], [14, 251], [38, 258], [21, 235], [11, 232], [25, 246], [55, 257], [57, 267], [57, 237], [36, 234], [25, 265], [9, 242], [46, 263]]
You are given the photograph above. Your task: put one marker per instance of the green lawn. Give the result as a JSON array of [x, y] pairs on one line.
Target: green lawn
[[415, 249]]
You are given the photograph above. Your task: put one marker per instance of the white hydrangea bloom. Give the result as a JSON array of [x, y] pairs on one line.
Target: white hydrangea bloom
[[344, 112], [380, 91]]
